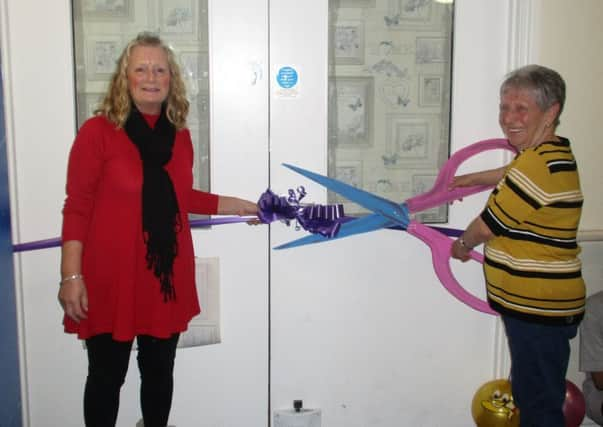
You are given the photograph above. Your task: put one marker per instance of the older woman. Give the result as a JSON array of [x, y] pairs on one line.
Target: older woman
[[127, 257], [529, 226]]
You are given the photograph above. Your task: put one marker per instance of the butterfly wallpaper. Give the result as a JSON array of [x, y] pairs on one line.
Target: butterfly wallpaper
[[389, 94]]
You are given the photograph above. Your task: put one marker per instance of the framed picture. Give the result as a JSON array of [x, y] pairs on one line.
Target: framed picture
[[105, 10], [178, 19], [431, 50], [351, 102], [430, 90], [411, 141], [348, 43], [102, 53]]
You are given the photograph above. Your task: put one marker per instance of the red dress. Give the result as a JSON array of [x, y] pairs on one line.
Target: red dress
[[103, 211]]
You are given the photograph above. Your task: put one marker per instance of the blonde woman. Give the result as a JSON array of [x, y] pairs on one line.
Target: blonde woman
[[127, 257]]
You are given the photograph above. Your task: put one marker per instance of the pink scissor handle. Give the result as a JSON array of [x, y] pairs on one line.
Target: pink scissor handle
[[439, 193], [440, 246]]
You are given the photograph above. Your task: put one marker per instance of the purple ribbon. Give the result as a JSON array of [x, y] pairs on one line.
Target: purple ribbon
[[195, 223], [325, 220], [317, 219], [321, 219], [276, 208]]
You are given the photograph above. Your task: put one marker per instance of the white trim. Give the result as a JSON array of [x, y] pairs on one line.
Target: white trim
[[502, 365], [590, 235], [11, 166], [520, 35], [521, 16], [519, 53]]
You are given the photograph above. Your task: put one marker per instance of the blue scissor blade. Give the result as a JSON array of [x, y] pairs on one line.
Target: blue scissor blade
[[357, 226], [363, 198]]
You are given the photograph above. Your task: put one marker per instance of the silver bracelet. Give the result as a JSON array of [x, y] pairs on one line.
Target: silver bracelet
[[464, 244], [72, 277]]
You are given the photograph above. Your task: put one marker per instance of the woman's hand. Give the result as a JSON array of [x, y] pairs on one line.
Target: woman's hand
[[460, 251], [467, 180], [246, 207], [487, 177], [228, 205], [73, 297]]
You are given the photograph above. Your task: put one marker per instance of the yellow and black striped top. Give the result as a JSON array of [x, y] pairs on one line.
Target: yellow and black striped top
[[531, 265]]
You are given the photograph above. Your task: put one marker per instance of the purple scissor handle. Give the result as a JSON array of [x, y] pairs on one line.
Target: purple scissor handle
[[387, 214]]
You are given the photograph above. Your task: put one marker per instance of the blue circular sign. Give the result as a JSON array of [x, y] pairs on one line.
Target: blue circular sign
[[286, 77]]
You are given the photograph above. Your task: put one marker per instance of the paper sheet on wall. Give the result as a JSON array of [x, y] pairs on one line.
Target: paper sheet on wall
[[204, 329]]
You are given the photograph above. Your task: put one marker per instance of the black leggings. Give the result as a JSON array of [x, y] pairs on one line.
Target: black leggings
[[107, 368]]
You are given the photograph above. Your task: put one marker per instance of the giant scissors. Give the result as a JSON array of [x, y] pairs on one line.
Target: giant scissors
[[388, 214]]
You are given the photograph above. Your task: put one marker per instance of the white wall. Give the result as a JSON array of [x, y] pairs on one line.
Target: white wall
[[568, 37], [371, 338]]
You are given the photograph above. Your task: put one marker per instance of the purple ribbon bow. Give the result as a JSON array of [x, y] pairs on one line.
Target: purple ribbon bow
[[317, 219]]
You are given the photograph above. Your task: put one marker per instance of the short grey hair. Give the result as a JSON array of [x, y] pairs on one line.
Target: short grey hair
[[547, 86]]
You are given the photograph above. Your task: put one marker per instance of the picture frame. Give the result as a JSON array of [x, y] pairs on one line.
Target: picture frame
[[348, 43], [412, 141], [431, 50], [351, 101], [105, 10], [102, 53], [430, 90], [178, 19]]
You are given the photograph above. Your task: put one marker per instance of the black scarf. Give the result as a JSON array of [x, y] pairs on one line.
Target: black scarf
[[160, 213]]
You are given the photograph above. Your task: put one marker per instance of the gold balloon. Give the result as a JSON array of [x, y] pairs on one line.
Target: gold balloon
[[493, 405]]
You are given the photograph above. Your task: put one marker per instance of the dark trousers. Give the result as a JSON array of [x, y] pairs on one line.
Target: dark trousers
[[539, 358], [107, 367]]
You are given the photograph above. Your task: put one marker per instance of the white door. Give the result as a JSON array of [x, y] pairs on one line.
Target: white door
[[222, 385], [226, 385], [361, 328]]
